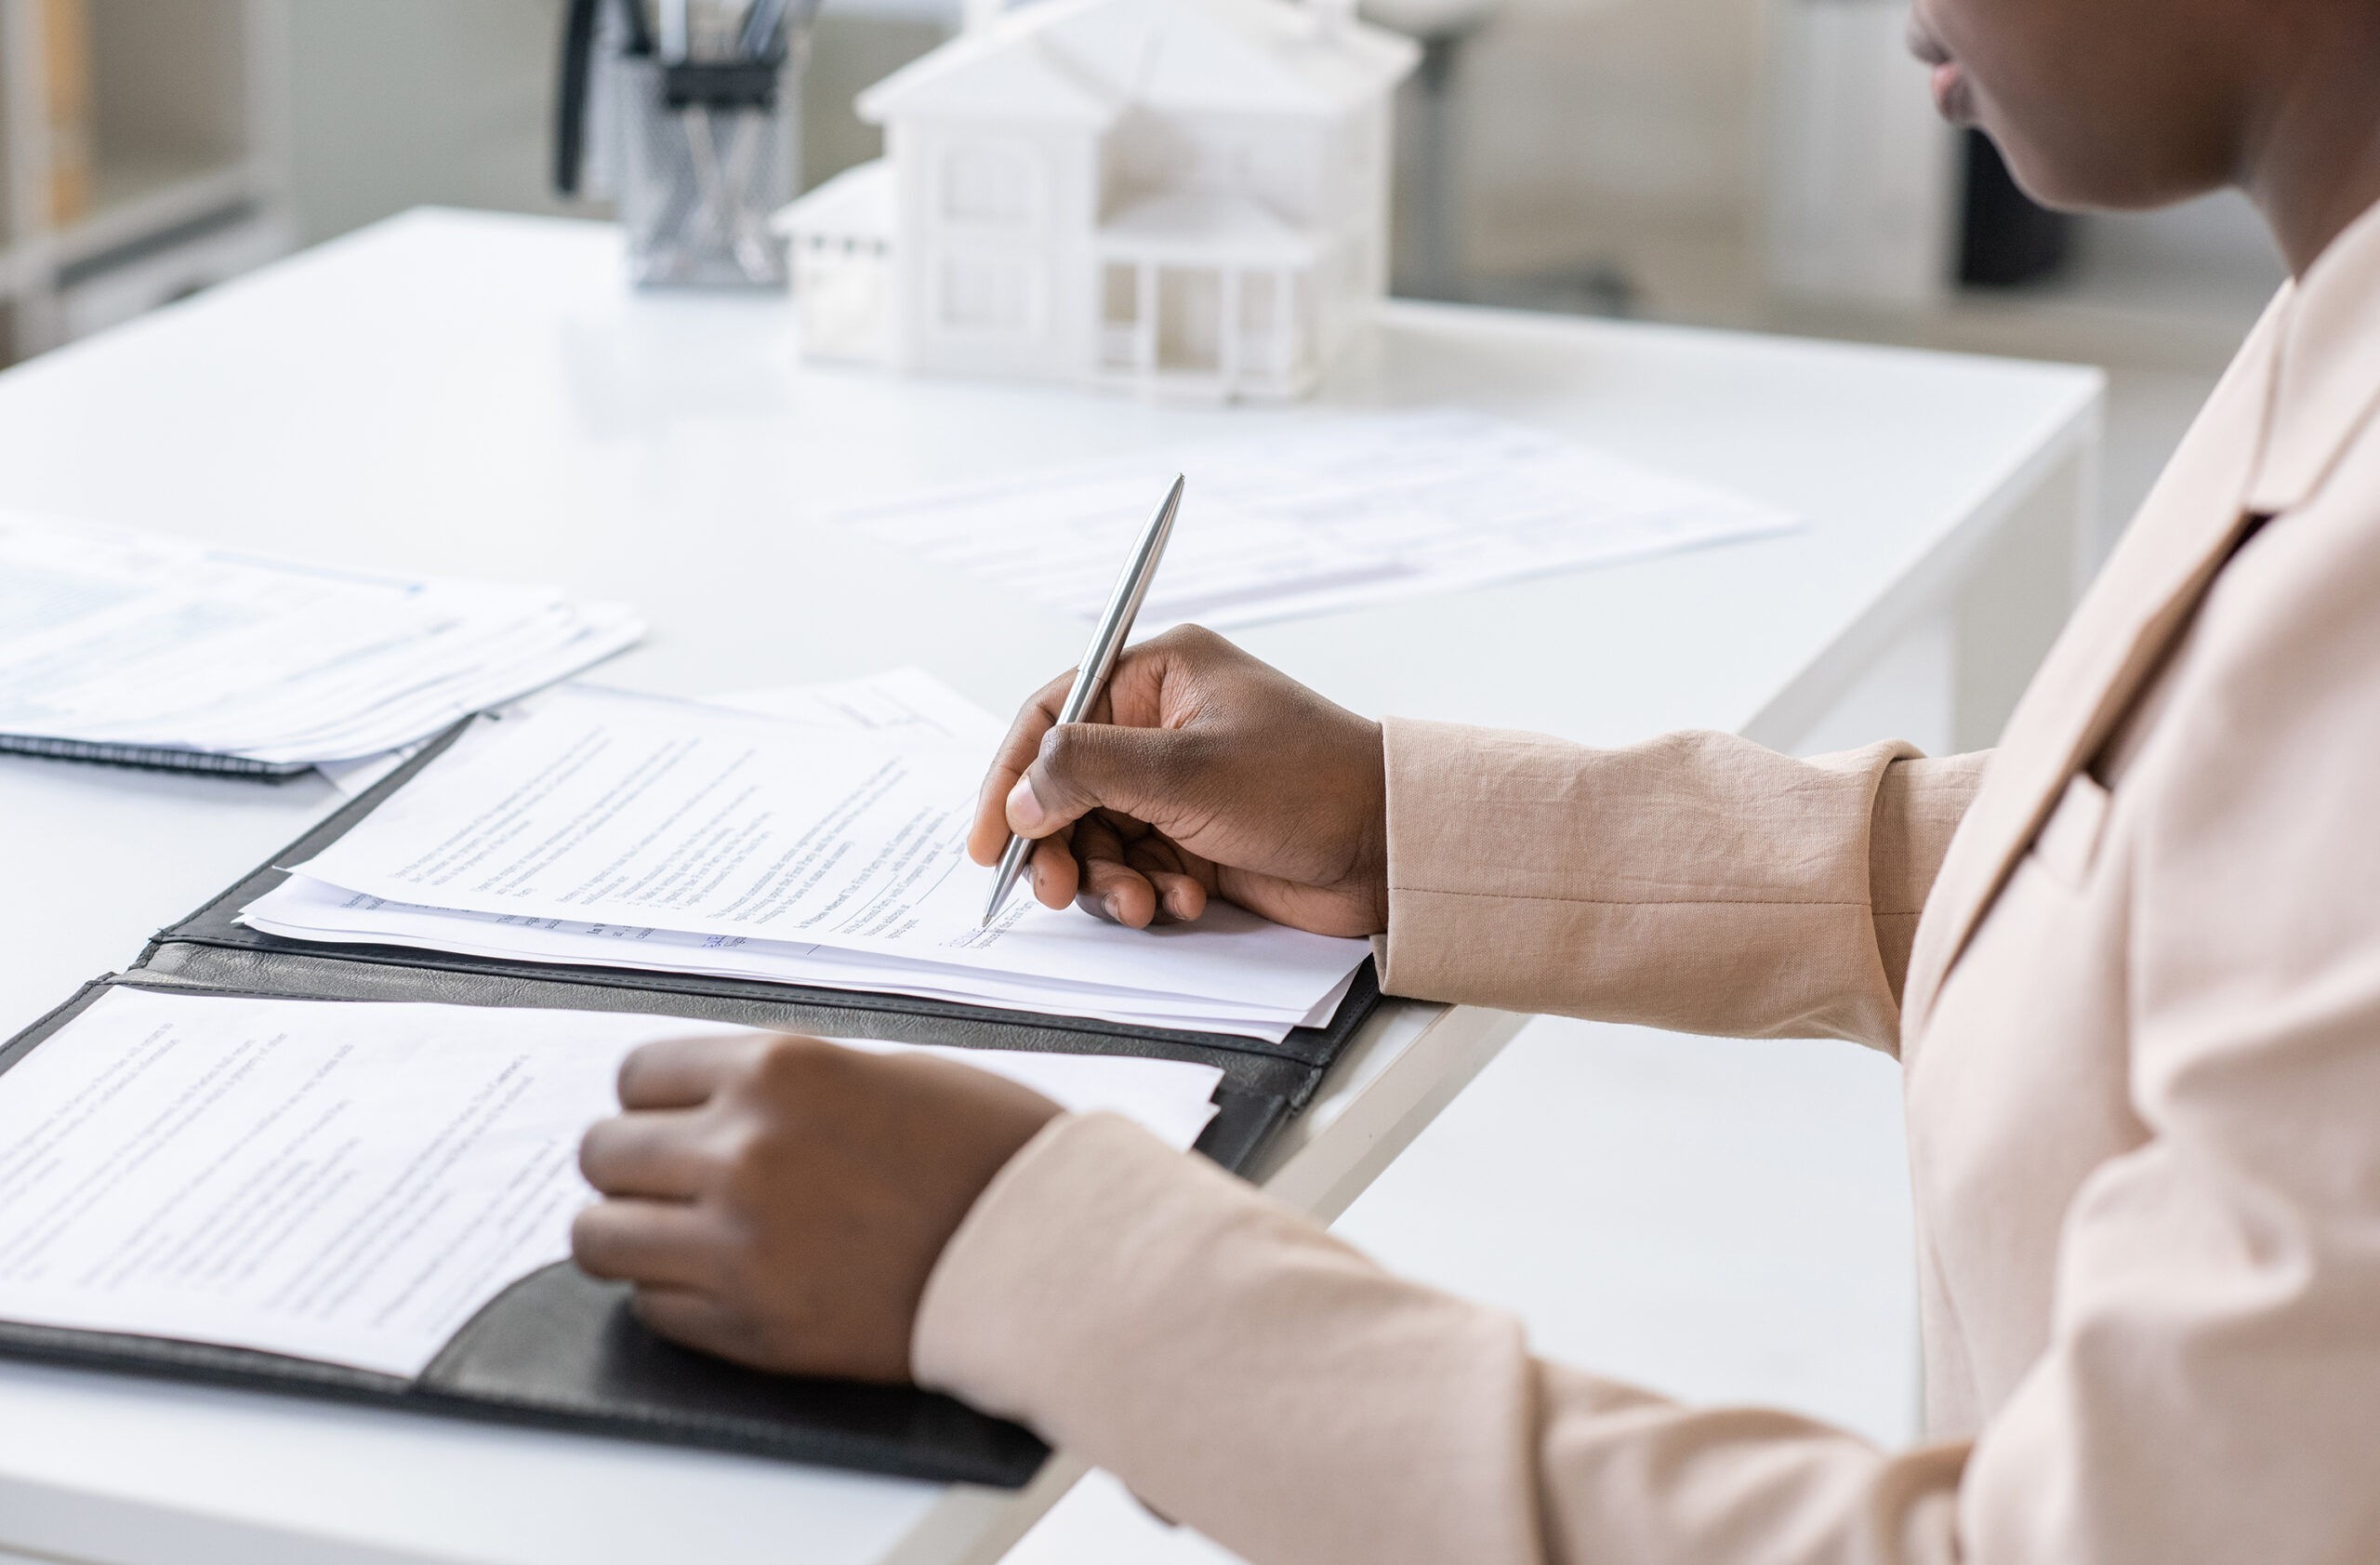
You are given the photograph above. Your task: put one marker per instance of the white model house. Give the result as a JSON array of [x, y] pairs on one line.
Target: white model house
[[1180, 195]]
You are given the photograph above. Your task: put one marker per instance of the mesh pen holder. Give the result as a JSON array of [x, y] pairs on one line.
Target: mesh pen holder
[[706, 152]]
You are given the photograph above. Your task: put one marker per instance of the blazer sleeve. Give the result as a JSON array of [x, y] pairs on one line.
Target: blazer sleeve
[[1249, 1374], [1699, 882]]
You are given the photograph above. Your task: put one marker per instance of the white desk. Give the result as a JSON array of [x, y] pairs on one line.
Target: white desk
[[480, 395]]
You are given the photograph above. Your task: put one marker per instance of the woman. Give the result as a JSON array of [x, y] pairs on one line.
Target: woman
[[2130, 963]]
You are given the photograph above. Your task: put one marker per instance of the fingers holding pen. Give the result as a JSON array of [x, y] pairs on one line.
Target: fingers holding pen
[[1146, 692], [1110, 887], [1073, 795], [1179, 881], [987, 838], [1051, 869], [1133, 876], [1055, 871], [1084, 766], [1078, 854]]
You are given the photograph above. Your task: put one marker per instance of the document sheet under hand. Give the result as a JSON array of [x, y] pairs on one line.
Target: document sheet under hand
[[117, 645], [614, 829], [348, 1181], [903, 704], [1328, 513]]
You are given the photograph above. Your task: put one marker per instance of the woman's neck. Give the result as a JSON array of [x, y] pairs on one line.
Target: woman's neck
[[2312, 163]]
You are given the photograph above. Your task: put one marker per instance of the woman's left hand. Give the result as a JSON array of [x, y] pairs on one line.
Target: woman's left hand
[[781, 1202]]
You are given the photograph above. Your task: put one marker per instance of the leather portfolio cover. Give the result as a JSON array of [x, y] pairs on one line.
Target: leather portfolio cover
[[560, 1349]]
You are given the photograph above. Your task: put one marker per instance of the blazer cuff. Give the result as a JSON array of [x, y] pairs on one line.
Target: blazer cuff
[[1699, 882], [976, 1317]]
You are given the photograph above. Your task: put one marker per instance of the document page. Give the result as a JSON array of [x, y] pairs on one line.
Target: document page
[[904, 704], [343, 1182], [601, 807], [305, 908], [348, 1181], [1326, 513], [112, 637]]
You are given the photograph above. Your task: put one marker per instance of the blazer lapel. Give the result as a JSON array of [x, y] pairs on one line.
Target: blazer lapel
[[2302, 389], [2120, 632]]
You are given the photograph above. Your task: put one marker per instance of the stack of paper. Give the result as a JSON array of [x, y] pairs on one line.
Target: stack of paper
[[906, 703], [351, 1183], [119, 646], [613, 829], [1322, 513]]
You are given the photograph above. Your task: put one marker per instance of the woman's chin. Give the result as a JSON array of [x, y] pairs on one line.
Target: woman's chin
[[2048, 181]]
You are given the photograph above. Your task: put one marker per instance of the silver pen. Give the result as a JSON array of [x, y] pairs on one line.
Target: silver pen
[[1106, 643]]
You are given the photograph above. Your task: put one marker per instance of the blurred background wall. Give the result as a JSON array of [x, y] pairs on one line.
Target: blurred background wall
[[394, 103], [1768, 163]]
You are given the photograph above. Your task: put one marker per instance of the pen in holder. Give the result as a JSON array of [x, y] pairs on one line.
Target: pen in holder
[[697, 144]]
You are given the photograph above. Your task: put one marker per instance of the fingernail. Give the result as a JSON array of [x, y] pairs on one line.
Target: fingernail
[[1025, 812], [1114, 908]]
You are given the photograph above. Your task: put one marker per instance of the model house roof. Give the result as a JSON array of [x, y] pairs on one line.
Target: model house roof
[[1001, 74], [1196, 227], [856, 204], [1088, 60]]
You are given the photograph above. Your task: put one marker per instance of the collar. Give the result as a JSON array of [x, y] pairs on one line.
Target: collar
[[2326, 383]]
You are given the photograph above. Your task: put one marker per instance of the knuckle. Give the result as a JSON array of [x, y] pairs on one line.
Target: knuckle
[[784, 1063], [633, 1070], [595, 1150], [1023, 734], [1064, 751], [590, 1234], [1053, 693], [796, 1066], [743, 1181], [697, 1153]]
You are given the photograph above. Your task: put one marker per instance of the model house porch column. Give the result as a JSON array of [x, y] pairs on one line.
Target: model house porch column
[[1227, 328], [1144, 326]]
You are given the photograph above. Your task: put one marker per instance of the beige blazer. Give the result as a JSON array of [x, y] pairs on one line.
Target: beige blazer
[[2141, 1023]]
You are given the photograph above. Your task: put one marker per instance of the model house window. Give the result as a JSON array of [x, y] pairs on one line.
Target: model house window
[[988, 185], [1189, 318], [985, 293], [1120, 294]]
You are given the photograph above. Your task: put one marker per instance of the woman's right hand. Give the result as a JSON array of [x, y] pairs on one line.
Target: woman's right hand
[[1200, 771]]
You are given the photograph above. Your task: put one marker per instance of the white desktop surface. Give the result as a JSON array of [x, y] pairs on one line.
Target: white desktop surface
[[482, 395]]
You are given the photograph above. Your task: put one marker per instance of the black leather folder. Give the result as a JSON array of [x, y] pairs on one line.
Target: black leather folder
[[560, 1349]]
